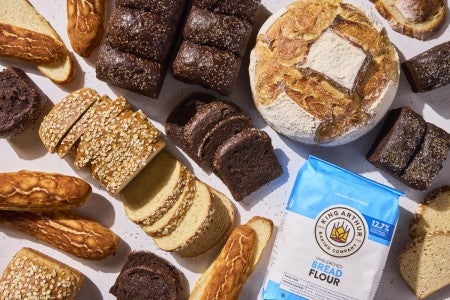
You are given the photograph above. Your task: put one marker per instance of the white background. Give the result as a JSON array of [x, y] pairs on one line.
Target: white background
[[27, 152]]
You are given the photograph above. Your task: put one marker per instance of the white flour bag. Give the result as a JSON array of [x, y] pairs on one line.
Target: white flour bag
[[335, 237]]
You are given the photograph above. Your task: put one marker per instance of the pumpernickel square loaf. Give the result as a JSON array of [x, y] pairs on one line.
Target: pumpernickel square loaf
[[246, 162], [171, 9], [244, 9]]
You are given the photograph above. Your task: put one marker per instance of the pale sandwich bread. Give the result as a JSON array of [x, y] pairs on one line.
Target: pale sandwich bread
[[22, 14]]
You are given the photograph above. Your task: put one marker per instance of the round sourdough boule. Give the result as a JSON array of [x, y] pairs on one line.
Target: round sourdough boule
[[323, 72]]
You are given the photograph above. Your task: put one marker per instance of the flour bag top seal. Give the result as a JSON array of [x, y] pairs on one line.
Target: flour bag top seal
[[334, 239]]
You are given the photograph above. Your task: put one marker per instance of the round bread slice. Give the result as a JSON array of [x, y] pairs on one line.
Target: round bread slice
[[323, 72], [424, 263], [149, 283], [155, 189], [213, 230], [433, 214], [172, 218], [197, 215]]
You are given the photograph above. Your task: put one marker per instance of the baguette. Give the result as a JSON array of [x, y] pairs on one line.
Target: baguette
[[22, 14], [28, 45], [66, 231], [85, 19], [33, 275], [39, 191]]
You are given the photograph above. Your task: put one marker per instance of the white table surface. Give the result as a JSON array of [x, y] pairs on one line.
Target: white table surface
[[27, 152]]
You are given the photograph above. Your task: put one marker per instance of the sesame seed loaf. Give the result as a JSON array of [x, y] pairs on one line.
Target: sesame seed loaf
[[30, 271], [155, 189], [199, 212], [423, 264], [174, 216], [433, 214], [213, 229], [64, 115]]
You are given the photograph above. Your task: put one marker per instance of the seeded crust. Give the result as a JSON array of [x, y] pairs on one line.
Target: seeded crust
[[171, 9], [174, 216], [243, 9], [64, 115], [214, 228], [433, 214], [154, 190], [33, 275]]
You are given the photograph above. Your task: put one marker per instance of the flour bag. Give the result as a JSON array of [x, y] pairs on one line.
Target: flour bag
[[335, 237]]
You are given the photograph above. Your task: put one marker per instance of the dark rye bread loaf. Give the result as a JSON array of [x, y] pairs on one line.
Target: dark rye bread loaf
[[171, 9], [142, 33], [246, 162], [129, 71], [213, 29], [244, 9], [206, 66], [21, 102]]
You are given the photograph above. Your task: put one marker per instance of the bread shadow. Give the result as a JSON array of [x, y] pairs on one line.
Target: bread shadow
[[28, 145], [95, 204], [89, 290]]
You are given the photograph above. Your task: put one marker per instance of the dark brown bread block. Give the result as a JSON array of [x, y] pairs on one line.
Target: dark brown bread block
[[245, 9], [207, 66], [145, 283], [427, 162], [142, 33], [180, 116], [129, 71], [21, 102], [224, 130], [217, 30], [246, 162], [430, 69], [171, 9], [399, 138]]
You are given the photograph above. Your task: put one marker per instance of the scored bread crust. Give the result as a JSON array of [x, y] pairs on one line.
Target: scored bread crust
[[419, 29], [21, 13], [33, 275], [425, 271], [421, 224]]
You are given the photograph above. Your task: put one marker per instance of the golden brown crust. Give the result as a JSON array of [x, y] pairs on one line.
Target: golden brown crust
[[34, 275], [29, 45], [66, 231], [39, 191], [85, 27]]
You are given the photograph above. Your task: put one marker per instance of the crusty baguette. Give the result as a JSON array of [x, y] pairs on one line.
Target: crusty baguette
[[423, 264], [66, 231], [85, 27], [24, 44], [415, 18], [33, 275], [22, 14], [40, 191], [226, 276]]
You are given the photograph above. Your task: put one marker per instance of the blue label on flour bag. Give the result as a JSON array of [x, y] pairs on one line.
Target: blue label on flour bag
[[338, 227]]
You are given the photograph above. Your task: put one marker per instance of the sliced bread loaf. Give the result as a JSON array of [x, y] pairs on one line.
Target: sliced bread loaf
[[214, 228], [433, 214], [155, 189], [22, 14], [424, 263]]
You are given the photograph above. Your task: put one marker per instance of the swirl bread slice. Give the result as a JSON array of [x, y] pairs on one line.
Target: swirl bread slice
[[433, 214], [424, 263], [22, 14]]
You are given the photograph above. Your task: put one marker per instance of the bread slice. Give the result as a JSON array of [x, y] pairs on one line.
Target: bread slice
[[415, 18], [197, 216], [32, 274], [213, 230], [433, 214], [423, 263], [174, 216], [64, 115], [102, 109], [22, 14], [263, 228], [155, 189]]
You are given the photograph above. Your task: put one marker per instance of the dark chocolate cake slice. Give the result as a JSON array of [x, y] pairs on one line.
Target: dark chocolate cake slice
[[245, 9], [246, 162], [21, 102], [399, 139]]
